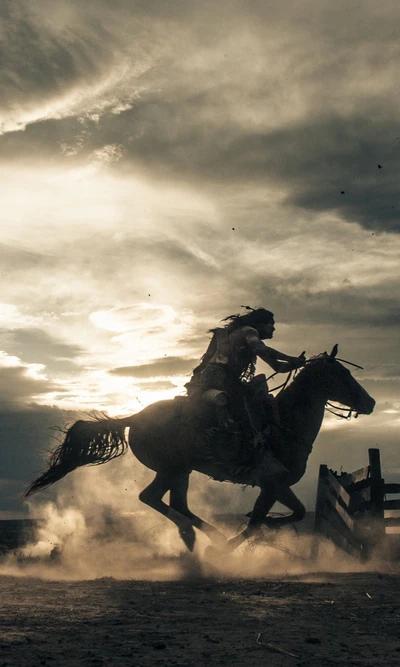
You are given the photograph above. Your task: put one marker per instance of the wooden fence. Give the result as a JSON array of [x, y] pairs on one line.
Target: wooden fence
[[352, 509]]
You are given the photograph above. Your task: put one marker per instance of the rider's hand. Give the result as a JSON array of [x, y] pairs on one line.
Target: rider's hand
[[298, 362]]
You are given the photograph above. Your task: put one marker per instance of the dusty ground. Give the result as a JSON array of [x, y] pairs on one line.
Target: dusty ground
[[100, 599], [331, 619]]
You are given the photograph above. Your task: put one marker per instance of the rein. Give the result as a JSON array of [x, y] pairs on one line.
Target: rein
[[328, 406], [283, 385], [351, 363]]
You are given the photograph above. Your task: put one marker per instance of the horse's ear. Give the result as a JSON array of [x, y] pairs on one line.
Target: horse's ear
[[334, 351]]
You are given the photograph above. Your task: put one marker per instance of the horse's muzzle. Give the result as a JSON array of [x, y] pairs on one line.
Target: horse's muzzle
[[366, 404]]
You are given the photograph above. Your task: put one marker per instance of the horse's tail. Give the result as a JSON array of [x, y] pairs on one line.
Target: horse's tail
[[86, 443]]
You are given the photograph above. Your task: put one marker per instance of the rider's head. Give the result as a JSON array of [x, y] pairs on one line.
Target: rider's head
[[260, 319]]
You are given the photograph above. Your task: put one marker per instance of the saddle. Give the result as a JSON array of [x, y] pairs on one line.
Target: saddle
[[244, 429]]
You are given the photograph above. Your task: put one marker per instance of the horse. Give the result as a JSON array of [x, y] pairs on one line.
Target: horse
[[172, 438]]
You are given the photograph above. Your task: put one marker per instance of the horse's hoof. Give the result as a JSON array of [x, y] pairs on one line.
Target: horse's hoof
[[189, 537]]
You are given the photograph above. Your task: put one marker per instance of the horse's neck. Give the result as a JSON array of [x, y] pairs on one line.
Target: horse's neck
[[301, 408]]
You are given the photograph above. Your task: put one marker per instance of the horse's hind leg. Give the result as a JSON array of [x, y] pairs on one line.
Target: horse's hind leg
[[178, 501], [152, 495]]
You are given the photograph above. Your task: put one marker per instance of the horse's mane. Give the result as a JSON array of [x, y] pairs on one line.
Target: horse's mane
[[305, 375]]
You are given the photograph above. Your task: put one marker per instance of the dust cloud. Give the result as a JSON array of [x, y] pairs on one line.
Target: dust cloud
[[92, 525]]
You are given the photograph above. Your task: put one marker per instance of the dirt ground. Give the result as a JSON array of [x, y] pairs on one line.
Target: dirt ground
[[314, 619]]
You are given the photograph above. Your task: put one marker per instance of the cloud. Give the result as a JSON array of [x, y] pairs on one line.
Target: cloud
[[26, 435], [15, 259], [385, 371], [325, 162], [331, 164], [45, 349], [158, 368], [84, 59], [205, 114], [20, 383], [12, 317], [157, 386], [67, 48], [347, 306]]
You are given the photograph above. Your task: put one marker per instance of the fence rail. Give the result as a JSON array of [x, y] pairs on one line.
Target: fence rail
[[350, 508]]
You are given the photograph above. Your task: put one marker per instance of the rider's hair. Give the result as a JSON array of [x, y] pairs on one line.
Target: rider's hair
[[251, 319]]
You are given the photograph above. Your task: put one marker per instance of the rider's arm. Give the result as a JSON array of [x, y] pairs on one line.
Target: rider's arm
[[279, 361]]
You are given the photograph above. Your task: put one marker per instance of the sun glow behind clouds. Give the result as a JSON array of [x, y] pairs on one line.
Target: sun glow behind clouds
[[87, 199], [12, 317], [132, 318], [145, 333], [98, 391], [62, 232], [33, 371]]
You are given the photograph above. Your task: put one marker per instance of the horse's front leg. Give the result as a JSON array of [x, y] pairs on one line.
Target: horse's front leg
[[268, 497], [262, 506], [287, 498]]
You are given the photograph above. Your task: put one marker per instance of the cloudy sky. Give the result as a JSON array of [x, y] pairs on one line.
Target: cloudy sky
[[163, 163]]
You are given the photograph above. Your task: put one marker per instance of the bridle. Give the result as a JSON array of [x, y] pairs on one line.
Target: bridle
[[349, 412], [347, 416], [328, 406]]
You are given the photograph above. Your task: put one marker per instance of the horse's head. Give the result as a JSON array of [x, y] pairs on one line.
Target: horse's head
[[339, 384]]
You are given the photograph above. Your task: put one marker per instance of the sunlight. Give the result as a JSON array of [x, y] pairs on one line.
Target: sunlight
[[134, 317], [63, 196], [99, 391], [144, 331]]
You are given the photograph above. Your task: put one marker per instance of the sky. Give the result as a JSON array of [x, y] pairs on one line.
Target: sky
[[163, 164]]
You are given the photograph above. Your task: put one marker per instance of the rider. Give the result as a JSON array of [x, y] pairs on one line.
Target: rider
[[229, 366]]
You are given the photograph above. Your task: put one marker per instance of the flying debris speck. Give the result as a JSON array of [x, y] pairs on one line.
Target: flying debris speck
[[379, 166], [342, 192], [233, 229]]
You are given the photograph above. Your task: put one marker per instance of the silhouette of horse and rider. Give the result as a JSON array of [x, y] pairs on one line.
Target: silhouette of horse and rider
[[228, 427]]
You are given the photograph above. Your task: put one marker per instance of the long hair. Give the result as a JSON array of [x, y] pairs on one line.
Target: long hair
[[251, 319]]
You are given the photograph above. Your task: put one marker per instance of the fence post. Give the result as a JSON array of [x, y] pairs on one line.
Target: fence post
[[319, 504], [377, 498]]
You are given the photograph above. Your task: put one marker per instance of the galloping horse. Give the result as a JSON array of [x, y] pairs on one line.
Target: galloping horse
[[171, 438]]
